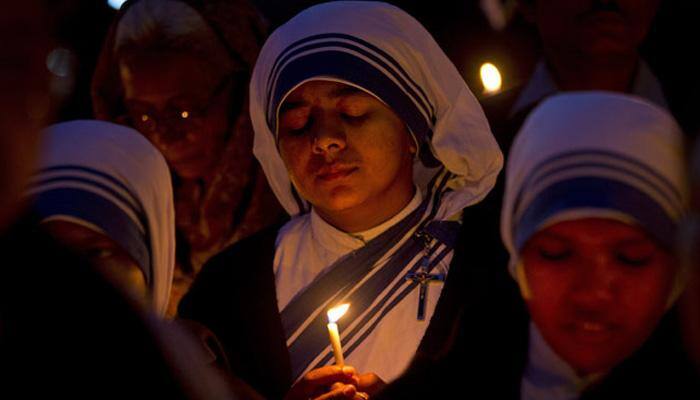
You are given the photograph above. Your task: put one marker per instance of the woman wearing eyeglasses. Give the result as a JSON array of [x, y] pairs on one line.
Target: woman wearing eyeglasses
[[178, 71]]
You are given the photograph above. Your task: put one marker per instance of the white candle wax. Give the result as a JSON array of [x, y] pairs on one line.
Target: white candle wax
[[335, 343]]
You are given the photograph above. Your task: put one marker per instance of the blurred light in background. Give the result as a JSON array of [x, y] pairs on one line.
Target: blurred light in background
[[490, 78], [116, 4], [59, 62], [62, 63]]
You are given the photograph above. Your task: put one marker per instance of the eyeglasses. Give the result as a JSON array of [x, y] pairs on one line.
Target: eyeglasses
[[180, 119]]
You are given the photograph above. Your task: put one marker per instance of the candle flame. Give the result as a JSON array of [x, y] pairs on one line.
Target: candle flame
[[335, 313], [490, 78]]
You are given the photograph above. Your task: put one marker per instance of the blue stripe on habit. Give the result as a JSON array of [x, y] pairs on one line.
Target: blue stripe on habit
[[668, 191], [79, 179], [597, 193], [412, 286], [97, 210], [342, 65], [345, 272], [314, 340], [395, 68], [68, 167], [653, 186]]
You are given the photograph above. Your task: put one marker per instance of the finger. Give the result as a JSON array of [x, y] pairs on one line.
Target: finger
[[317, 380], [361, 396], [331, 374], [370, 383], [344, 392]]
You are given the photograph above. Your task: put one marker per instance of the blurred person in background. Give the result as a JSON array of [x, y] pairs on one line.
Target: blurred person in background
[[104, 191], [690, 256], [178, 72], [586, 45], [64, 329]]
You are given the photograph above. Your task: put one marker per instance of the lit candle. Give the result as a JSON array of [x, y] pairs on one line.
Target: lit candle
[[490, 78], [334, 315]]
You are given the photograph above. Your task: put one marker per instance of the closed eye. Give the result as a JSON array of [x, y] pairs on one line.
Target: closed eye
[[354, 119], [295, 120], [634, 261], [635, 253], [554, 255]]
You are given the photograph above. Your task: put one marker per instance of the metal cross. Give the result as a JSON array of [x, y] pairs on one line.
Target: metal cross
[[423, 278]]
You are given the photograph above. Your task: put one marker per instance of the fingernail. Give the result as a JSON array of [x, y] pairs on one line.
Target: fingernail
[[350, 371]]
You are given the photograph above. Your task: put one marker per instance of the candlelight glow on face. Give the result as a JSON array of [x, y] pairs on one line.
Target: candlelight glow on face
[[490, 78], [335, 313]]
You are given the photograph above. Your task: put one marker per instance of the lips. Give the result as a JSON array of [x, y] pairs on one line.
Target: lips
[[335, 172], [591, 330], [605, 18]]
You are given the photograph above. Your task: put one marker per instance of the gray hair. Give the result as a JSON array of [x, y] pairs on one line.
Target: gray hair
[[168, 25]]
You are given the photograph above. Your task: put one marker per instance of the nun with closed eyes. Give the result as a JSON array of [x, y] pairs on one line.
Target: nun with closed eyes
[[374, 145]]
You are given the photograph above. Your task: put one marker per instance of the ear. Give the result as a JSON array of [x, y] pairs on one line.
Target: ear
[[528, 10], [413, 143], [522, 281], [413, 148]]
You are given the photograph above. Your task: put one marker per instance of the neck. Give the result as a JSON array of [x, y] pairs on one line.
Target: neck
[[368, 215], [586, 72]]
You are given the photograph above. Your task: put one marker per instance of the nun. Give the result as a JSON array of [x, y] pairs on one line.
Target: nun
[[595, 190], [374, 145], [104, 191]]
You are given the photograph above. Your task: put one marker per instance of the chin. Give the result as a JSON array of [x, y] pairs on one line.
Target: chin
[[602, 44], [590, 359], [190, 171], [594, 362], [340, 199]]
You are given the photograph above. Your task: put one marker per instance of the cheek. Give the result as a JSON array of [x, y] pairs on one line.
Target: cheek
[[296, 153], [645, 293], [213, 129], [385, 144], [548, 286]]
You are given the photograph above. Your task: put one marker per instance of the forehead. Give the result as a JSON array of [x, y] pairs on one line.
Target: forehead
[[165, 74], [318, 90], [596, 231]]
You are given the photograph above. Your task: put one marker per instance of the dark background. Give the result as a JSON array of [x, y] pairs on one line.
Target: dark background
[[459, 26]]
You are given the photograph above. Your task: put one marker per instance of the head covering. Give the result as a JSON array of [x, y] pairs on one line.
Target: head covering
[[594, 154], [110, 179], [380, 49], [236, 23], [235, 201]]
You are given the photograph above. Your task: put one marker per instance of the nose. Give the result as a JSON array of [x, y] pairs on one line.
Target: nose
[[328, 134], [164, 136], [595, 283]]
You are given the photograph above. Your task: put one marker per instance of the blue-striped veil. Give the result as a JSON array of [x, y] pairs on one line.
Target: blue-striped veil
[[110, 179], [594, 154], [382, 50]]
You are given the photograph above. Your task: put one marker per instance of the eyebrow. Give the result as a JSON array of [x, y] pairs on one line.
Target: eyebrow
[[342, 91]]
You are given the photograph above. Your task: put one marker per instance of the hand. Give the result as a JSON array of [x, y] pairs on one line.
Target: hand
[[325, 383], [370, 383]]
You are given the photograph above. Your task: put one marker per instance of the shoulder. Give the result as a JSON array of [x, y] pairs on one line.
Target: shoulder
[[242, 265], [294, 228], [249, 250]]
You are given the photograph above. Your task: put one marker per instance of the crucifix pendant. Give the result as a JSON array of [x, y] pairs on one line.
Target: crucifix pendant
[[423, 278]]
